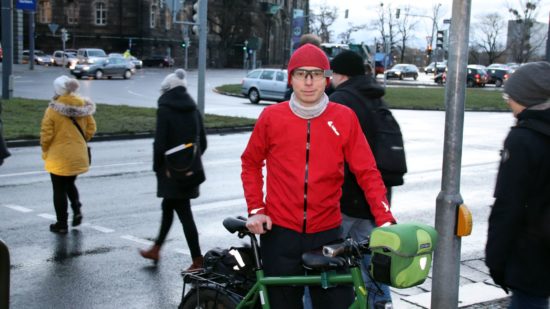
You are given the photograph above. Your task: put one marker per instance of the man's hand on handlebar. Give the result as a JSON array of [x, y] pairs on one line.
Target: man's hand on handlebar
[[258, 224]]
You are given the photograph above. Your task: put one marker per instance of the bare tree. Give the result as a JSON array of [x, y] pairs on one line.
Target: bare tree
[[346, 35], [488, 35], [521, 43], [387, 26], [405, 26], [321, 22]]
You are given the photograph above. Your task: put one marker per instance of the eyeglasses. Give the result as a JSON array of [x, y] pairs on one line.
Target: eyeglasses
[[302, 74]]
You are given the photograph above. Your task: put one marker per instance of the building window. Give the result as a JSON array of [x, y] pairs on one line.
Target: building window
[[100, 13], [153, 17], [44, 12], [72, 11]]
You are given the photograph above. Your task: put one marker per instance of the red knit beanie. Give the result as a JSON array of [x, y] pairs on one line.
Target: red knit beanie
[[308, 55]]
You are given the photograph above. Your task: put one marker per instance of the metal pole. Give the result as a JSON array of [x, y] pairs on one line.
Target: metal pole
[[447, 255], [31, 39], [4, 276], [548, 41], [203, 11], [7, 47]]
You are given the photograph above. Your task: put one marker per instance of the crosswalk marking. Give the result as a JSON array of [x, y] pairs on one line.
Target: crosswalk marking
[[18, 208]]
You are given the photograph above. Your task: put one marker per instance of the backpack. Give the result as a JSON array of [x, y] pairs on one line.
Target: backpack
[[387, 147]]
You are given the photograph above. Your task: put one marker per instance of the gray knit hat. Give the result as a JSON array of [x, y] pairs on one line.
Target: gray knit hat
[[530, 84], [174, 80]]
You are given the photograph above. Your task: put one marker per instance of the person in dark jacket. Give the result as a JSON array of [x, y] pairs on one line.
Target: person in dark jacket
[[358, 91], [518, 242], [177, 118]]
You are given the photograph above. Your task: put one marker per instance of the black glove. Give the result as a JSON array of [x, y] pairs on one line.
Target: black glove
[[498, 277]]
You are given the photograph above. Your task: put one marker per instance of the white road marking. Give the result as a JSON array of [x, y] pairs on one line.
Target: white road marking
[[99, 228], [137, 239], [47, 216], [18, 208]]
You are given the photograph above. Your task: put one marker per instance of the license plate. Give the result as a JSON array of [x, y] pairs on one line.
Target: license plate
[[76, 71]]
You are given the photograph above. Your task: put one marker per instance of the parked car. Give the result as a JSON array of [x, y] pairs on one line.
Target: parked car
[[66, 59], [40, 57], [265, 84], [402, 70], [477, 76], [90, 55], [498, 73], [158, 61], [108, 67], [441, 66]]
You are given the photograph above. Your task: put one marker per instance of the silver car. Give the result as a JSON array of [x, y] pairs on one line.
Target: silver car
[[265, 84]]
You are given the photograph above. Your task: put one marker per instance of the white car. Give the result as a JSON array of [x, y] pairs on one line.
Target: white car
[[265, 84], [40, 57], [66, 59]]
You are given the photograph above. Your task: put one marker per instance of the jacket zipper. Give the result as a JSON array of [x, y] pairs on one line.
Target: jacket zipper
[[306, 175]]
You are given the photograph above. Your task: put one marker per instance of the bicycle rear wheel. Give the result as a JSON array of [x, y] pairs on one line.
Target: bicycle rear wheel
[[208, 298]]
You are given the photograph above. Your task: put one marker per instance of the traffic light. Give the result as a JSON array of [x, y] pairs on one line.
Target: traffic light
[[440, 39], [196, 12], [183, 45], [429, 50]]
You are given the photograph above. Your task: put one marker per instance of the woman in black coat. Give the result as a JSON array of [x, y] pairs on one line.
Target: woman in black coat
[[177, 122]]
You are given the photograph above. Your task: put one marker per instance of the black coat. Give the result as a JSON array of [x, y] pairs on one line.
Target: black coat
[[517, 252], [366, 93], [176, 124]]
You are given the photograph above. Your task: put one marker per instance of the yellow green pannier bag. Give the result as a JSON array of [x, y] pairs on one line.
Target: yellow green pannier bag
[[402, 254]]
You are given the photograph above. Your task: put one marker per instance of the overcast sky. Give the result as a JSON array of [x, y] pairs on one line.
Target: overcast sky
[[364, 12]]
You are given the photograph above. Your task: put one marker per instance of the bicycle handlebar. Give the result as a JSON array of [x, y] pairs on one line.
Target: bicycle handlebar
[[347, 248]]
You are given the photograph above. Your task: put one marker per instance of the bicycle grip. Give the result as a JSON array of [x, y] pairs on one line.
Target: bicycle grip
[[333, 250]]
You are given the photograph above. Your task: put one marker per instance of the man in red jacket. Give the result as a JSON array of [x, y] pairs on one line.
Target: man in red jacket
[[304, 143]]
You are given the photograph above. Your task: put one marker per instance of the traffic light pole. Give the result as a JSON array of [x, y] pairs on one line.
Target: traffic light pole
[[7, 48], [446, 270], [203, 11]]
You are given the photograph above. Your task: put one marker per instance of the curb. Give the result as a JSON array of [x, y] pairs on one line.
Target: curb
[[115, 137]]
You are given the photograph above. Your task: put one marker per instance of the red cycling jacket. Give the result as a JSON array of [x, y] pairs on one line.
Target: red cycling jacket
[[305, 168]]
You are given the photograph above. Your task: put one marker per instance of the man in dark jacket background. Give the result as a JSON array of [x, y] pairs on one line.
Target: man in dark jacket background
[[360, 92], [518, 242]]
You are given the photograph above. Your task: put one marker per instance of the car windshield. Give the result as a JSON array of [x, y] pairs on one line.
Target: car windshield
[[39, 53], [96, 53], [399, 67]]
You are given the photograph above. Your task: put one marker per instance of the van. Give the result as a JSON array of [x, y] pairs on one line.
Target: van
[[90, 55]]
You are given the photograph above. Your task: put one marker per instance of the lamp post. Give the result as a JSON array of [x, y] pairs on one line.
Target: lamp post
[[434, 29]]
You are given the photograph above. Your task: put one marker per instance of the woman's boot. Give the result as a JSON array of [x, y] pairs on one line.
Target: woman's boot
[[152, 254], [197, 264]]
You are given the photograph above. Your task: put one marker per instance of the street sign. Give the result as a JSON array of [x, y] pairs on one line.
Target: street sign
[[446, 21], [28, 5], [53, 27]]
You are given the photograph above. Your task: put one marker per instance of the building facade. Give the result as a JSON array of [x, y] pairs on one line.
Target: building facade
[[148, 27]]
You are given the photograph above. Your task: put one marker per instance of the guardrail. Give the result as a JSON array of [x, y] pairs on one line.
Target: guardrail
[[4, 276]]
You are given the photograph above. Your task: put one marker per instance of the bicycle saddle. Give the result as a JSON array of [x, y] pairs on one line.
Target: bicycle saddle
[[314, 261]]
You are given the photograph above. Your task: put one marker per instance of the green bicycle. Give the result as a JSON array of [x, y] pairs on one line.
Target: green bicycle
[[241, 283]]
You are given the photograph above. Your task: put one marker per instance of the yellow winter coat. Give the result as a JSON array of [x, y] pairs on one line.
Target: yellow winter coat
[[63, 147]]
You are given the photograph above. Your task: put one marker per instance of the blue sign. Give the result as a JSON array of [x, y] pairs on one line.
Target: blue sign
[[28, 5]]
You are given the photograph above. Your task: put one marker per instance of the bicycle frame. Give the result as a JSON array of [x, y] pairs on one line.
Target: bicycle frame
[[325, 279]]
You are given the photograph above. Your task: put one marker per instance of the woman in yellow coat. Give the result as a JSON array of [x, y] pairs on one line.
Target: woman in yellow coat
[[64, 147]]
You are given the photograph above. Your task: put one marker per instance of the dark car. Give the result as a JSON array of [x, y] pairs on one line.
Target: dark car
[[402, 70], [441, 66], [498, 74], [477, 76], [104, 67], [158, 61]]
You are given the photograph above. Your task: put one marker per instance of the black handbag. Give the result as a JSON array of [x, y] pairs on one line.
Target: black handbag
[[184, 162], [84, 137]]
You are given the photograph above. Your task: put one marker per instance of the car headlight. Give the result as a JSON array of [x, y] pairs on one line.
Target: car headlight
[[86, 67], [397, 72]]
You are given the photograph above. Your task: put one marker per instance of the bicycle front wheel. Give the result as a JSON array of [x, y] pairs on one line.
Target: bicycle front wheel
[[208, 298]]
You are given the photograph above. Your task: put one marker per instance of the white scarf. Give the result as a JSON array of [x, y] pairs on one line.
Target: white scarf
[[308, 112]]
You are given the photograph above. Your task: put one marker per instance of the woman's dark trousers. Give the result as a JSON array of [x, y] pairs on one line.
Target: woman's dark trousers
[[183, 208], [64, 187]]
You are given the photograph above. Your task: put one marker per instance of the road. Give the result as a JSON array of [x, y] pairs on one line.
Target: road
[[97, 264]]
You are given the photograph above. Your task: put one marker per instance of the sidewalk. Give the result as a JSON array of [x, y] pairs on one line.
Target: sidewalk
[[476, 290]]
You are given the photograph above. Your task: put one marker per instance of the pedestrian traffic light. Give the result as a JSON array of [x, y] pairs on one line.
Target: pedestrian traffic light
[[183, 44], [440, 39]]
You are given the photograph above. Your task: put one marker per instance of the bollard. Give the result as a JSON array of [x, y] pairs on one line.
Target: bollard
[[4, 276]]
